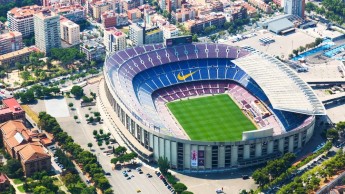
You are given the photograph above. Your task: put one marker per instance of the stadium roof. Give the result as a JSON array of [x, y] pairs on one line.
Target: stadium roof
[[285, 90]]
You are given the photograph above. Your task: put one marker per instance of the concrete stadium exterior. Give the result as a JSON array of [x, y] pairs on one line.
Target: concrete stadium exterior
[[188, 155]]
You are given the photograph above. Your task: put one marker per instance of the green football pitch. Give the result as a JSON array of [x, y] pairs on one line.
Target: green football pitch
[[211, 118]]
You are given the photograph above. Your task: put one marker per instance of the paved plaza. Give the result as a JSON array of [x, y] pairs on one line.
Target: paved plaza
[[57, 107]]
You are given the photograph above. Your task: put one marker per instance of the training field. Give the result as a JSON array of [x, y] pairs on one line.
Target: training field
[[211, 118]]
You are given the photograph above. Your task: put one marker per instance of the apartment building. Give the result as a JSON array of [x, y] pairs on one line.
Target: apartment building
[[100, 7], [16, 56], [121, 19], [70, 31], [136, 34], [153, 35], [93, 50], [131, 4], [200, 23], [11, 41], [134, 14], [73, 12], [295, 7], [184, 14], [47, 30], [114, 40], [108, 19], [169, 31], [21, 19], [261, 5]]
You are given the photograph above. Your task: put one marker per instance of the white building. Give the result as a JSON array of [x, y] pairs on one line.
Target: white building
[[69, 31], [114, 40], [47, 30], [21, 19], [169, 31], [136, 34]]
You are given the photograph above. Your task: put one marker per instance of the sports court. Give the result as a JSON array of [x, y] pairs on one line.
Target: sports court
[[211, 118]]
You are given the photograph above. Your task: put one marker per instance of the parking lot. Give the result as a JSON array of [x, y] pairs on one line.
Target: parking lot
[[282, 45]]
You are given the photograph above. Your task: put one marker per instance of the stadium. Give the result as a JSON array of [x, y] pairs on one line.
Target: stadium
[[208, 107]]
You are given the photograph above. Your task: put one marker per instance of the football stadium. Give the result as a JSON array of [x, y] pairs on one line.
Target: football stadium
[[208, 107]]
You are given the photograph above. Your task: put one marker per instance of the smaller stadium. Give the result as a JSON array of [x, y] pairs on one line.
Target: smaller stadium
[[208, 107]]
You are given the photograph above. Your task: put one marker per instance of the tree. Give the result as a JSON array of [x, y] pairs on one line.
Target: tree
[[77, 91], [89, 145], [46, 91], [13, 168], [301, 49], [25, 75], [187, 192], [42, 190], [332, 134], [108, 191], [163, 165], [27, 97], [55, 90], [120, 150], [95, 132], [89, 190], [75, 117], [19, 66], [195, 38], [318, 41], [90, 119], [114, 160], [70, 104], [180, 187], [295, 52], [260, 177]]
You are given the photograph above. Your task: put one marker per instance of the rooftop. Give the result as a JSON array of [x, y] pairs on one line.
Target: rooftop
[[10, 34], [16, 53], [31, 151], [64, 9], [24, 12], [3, 178], [45, 14], [108, 14], [114, 31], [285, 90], [169, 27], [152, 31], [92, 45], [66, 22], [12, 104]]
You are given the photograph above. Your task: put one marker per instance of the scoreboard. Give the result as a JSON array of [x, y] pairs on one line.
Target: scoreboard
[[178, 40]]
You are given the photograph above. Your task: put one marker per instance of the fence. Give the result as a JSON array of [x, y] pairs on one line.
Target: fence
[[331, 184]]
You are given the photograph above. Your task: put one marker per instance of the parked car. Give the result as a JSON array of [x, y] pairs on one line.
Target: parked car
[[244, 177]]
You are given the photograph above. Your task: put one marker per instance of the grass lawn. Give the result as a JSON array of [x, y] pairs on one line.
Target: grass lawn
[[17, 181], [21, 188], [211, 118], [33, 115]]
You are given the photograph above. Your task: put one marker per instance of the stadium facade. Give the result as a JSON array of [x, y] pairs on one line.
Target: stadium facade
[[139, 79]]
